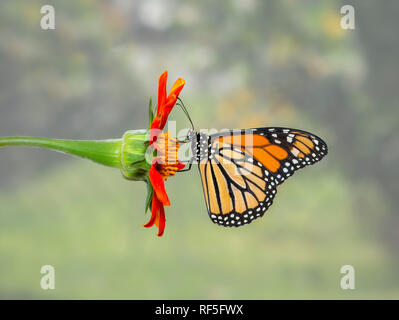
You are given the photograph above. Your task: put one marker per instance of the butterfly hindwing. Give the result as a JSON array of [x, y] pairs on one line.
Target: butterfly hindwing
[[234, 192], [240, 169]]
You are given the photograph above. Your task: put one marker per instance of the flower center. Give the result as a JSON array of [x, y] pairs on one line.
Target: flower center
[[167, 155]]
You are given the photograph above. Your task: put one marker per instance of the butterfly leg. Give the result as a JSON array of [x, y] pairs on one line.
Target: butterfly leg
[[187, 169]]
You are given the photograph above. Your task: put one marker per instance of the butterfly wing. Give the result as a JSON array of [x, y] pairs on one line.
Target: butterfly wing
[[241, 169]]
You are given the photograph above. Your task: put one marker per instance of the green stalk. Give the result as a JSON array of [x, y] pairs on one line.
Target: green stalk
[[106, 152]]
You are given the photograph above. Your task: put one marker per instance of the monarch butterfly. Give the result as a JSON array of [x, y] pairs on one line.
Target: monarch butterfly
[[241, 169]]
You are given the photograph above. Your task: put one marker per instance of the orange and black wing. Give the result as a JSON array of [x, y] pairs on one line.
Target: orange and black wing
[[241, 169]]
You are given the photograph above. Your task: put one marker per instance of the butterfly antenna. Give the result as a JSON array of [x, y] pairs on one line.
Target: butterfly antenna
[[187, 139], [181, 104]]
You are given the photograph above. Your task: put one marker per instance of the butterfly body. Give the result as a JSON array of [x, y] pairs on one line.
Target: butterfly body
[[241, 169]]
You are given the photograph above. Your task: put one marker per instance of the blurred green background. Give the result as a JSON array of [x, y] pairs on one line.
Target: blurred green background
[[247, 63]]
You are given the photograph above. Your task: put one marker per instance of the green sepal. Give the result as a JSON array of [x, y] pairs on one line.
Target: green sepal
[[133, 155], [150, 113], [150, 191]]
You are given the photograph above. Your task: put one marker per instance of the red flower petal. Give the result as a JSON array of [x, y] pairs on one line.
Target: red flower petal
[[162, 91], [157, 216], [155, 208], [166, 104], [158, 185], [167, 108], [177, 87], [160, 221], [171, 100]]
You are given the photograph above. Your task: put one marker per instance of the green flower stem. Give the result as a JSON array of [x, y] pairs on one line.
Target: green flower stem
[[127, 154], [106, 152]]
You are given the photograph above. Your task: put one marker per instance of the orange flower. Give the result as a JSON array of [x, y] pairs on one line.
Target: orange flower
[[166, 163]]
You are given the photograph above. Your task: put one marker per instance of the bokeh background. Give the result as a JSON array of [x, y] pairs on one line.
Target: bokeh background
[[247, 63]]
